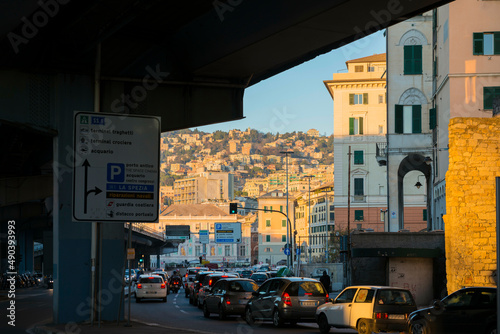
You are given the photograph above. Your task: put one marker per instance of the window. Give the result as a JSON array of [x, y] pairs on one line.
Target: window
[[283, 223], [358, 68], [358, 157], [487, 43], [424, 215], [358, 98], [381, 98], [359, 187], [265, 208], [364, 296], [371, 68], [408, 119], [268, 238], [197, 250], [268, 223], [432, 118], [358, 215], [242, 250], [412, 59], [281, 208], [489, 95], [355, 125], [283, 238], [227, 250]]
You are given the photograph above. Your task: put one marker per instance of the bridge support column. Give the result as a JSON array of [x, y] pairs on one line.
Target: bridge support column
[[72, 265]]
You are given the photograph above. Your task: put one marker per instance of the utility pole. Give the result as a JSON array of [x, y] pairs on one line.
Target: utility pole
[[349, 218], [288, 235]]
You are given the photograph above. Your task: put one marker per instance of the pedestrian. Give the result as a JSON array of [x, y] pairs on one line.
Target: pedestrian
[[325, 280]]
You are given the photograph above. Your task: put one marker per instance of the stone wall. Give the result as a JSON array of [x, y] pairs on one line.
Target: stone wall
[[470, 222]]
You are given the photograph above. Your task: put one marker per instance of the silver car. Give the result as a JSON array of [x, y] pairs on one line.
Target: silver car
[[286, 299], [229, 296]]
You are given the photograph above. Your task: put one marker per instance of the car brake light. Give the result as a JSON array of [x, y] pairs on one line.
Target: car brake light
[[286, 299], [139, 286], [327, 297], [163, 285], [228, 301], [381, 316], [151, 278], [210, 283], [308, 294]]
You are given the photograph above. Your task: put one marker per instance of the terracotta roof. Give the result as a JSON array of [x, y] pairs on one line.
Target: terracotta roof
[[194, 210], [370, 59]]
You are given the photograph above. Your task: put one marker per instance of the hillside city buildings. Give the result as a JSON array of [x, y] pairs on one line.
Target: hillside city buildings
[[390, 142]]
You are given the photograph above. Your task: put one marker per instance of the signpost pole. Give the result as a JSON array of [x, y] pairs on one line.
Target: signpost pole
[[129, 272]]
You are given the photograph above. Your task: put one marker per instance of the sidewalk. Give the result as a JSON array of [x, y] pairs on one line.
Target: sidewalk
[[136, 327]]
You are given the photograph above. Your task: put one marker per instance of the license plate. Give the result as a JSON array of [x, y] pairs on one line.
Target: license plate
[[309, 303], [397, 316]]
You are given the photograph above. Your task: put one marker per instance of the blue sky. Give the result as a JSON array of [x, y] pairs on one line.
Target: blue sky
[[297, 99]]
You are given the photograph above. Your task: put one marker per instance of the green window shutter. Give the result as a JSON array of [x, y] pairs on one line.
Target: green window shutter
[[496, 43], [358, 187], [432, 118], [360, 125], [417, 119], [417, 59], [268, 223], [265, 208], [408, 58], [351, 126], [477, 46], [281, 208], [268, 238], [358, 157], [398, 118], [358, 215], [424, 215], [365, 98], [283, 238], [488, 96], [351, 99], [283, 223]]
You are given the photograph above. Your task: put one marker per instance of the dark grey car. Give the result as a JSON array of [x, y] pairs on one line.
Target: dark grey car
[[286, 299], [229, 296]]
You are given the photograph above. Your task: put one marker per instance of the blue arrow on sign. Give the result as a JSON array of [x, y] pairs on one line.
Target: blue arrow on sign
[[297, 251], [287, 251]]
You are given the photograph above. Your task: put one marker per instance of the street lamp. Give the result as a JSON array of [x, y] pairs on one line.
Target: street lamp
[[309, 219], [288, 235]]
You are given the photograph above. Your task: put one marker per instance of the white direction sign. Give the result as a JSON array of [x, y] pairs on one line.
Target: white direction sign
[[227, 233], [115, 167]]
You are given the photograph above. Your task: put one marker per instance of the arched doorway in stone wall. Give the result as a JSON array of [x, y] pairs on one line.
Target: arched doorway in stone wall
[[413, 162]]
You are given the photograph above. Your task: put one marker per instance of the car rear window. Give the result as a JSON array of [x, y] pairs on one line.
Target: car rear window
[[259, 277], [300, 289], [242, 286], [394, 297], [151, 280]]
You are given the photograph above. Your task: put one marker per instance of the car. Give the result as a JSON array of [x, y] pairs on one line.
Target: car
[[150, 287], [208, 283], [165, 277], [471, 310], [286, 299], [246, 273], [259, 277], [194, 287], [229, 296], [189, 277], [367, 309]]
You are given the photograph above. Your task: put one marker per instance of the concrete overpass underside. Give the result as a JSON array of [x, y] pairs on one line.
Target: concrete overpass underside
[[186, 61]]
